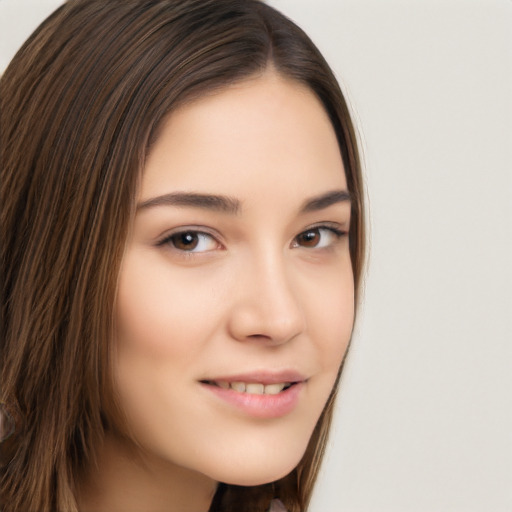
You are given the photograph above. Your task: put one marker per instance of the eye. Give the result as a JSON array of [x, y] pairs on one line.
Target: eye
[[191, 241], [318, 238]]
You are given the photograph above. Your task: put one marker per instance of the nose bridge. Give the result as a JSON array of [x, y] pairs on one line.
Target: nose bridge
[[269, 306]]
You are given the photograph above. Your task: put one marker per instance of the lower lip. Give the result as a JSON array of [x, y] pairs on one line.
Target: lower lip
[[260, 406]]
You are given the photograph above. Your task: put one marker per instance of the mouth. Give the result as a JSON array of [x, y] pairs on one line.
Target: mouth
[[251, 388], [261, 394]]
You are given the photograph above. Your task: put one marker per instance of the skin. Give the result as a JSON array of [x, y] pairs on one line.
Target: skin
[[252, 294]]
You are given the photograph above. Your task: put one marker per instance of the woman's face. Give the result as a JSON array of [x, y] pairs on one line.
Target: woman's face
[[237, 275]]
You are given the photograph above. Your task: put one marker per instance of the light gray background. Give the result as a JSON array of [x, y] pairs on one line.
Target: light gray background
[[424, 421]]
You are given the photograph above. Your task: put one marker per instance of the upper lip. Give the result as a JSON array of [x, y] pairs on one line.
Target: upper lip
[[261, 377]]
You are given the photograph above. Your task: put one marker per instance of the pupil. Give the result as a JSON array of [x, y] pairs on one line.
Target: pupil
[[310, 238], [186, 241]]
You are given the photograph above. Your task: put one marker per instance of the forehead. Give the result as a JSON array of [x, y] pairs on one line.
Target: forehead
[[264, 133]]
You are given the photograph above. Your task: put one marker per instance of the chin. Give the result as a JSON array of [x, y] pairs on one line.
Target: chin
[[260, 473], [259, 478]]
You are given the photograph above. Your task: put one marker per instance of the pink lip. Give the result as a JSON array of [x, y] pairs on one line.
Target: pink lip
[[260, 406]]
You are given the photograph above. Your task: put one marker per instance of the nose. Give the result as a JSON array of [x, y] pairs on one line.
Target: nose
[[266, 306]]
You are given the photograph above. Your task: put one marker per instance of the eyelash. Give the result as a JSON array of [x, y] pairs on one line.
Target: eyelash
[[331, 229], [171, 239]]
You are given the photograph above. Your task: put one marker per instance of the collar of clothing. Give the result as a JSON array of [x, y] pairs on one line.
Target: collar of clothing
[[277, 506]]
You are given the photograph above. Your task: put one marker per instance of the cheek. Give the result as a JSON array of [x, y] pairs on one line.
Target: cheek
[[331, 317], [160, 335], [158, 311]]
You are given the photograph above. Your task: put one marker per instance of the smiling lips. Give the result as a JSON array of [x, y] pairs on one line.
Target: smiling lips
[[259, 395], [252, 388]]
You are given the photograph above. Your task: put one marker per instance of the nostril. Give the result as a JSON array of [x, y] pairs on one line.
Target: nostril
[[263, 337]]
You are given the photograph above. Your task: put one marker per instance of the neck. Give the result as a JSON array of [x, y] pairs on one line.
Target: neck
[[126, 480]]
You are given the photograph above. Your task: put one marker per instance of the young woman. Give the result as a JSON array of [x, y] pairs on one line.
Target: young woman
[[182, 228]]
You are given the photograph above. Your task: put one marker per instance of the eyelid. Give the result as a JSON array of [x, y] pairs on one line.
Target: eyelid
[[337, 229], [196, 230]]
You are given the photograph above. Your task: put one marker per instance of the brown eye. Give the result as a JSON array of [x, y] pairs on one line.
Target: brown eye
[[185, 241], [309, 238], [191, 241], [318, 238]]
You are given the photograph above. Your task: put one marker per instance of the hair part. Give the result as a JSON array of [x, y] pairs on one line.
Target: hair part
[[80, 104]]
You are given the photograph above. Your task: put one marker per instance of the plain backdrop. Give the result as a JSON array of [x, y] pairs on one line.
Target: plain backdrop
[[424, 420]]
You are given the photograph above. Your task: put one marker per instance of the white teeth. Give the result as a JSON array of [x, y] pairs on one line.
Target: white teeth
[[274, 389], [238, 386], [253, 388]]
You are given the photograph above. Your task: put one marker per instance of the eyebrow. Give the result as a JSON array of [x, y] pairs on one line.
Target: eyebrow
[[325, 200], [230, 205], [218, 203]]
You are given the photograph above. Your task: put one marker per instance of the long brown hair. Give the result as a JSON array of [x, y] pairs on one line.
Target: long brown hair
[[80, 104]]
